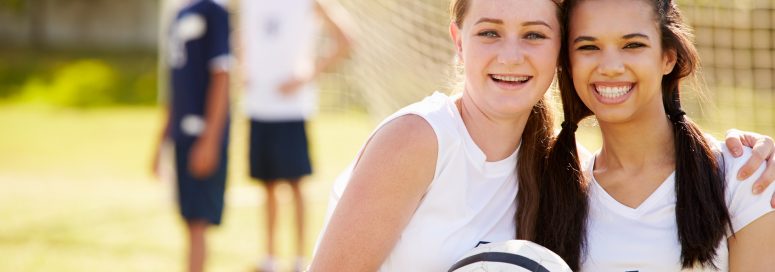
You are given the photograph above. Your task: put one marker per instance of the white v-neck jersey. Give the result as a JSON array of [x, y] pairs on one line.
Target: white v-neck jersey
[[645, 239], [469, 200]]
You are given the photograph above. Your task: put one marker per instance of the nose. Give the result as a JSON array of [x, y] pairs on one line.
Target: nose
[[611, 64], [511, 53]]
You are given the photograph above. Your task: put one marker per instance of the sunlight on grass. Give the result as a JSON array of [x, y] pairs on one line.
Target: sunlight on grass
[[78, 195]]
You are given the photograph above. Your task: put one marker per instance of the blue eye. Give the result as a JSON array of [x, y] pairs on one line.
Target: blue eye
[[488, 34], [634, 45], [535, 36]]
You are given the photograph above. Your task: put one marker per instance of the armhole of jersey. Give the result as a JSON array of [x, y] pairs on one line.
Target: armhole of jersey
[[392, 119]]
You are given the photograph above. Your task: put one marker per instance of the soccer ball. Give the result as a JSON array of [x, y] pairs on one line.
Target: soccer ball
[[511, 255]]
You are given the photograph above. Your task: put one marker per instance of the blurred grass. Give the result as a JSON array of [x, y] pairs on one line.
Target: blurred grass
[[77, 194]]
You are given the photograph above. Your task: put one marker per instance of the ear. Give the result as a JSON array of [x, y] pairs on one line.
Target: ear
[[454, 32], [669, 58]]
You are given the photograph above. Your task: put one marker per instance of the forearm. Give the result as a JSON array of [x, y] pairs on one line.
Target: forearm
[[166, 124], [339, 29], [327, 62], [217, 106]]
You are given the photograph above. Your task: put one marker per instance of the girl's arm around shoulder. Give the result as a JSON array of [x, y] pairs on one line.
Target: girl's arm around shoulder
[[753, 220], [389, 179]]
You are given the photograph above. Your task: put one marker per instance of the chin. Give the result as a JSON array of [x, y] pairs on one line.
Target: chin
[[514, 107], [613, 117]]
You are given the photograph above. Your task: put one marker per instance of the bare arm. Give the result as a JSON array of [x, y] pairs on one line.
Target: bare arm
[[165, 133], [205, 154], [751, 248], [386, 186], [335, 19], [338, 22], [239, 48]]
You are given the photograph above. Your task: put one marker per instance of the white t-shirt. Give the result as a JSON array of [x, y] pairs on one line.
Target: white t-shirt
[[469, 200], [279, 42], [645, 239]]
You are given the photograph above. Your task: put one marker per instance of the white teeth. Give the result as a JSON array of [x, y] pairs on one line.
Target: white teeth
[[511, 78], [612, 92]]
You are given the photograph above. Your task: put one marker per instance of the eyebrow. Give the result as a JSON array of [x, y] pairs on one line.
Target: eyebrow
[[626, 37], [490, 20], [584, 38], [536, 23], [500, 22], [635, 35]]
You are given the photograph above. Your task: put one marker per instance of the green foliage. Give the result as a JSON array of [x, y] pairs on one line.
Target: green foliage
[[83, 83], [78, 79], [13, 5]]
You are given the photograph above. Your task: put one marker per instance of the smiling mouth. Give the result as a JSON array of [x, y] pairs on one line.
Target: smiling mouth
[[613, 91], [510, 79]]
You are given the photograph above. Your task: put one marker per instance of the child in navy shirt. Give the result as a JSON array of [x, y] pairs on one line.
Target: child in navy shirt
[[198, 117]]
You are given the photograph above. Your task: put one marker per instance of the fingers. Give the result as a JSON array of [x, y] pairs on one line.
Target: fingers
[[772, 202], [756, 159], [734, 144], [765, 179], [290, 87], [766, 143]]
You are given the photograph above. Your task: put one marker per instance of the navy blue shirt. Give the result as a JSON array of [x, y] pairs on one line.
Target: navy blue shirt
[[199, 40]]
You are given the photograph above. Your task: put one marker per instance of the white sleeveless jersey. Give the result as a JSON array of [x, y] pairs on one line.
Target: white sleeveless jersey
[[645, 239], [469, 200], [279, 39]]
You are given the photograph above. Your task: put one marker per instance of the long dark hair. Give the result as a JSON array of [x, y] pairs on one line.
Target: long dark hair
[[701, 213], [563, 208], [536, 138]]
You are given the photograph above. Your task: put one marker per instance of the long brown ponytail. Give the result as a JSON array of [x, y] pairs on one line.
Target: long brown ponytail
[[561, 226], [701, 213]]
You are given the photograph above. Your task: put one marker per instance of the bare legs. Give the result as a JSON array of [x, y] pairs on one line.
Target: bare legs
[[271, 215], [197, 247], [299, 204]]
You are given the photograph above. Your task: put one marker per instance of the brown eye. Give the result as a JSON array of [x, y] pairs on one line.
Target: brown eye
[[587, 47], [634, 45]]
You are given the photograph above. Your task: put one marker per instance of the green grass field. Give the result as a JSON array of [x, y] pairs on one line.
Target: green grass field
[[77, 193]]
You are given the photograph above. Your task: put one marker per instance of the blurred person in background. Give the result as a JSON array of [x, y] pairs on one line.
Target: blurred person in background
[[198, 118], [277, 46]]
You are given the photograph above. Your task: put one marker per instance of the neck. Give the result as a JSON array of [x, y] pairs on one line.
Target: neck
[[497, 137], [638, 143]]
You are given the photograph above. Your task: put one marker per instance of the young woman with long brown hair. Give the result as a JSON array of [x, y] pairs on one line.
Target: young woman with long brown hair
[[658, 196]]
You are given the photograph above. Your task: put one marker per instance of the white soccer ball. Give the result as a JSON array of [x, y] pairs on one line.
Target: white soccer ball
[[511, 255]]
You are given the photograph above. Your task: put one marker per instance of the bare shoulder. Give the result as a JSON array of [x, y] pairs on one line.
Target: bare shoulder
[[400, 157], [386, 186], [409, 137]]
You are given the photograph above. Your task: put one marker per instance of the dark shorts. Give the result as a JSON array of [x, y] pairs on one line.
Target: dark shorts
[[278, 150], [199, 199]]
